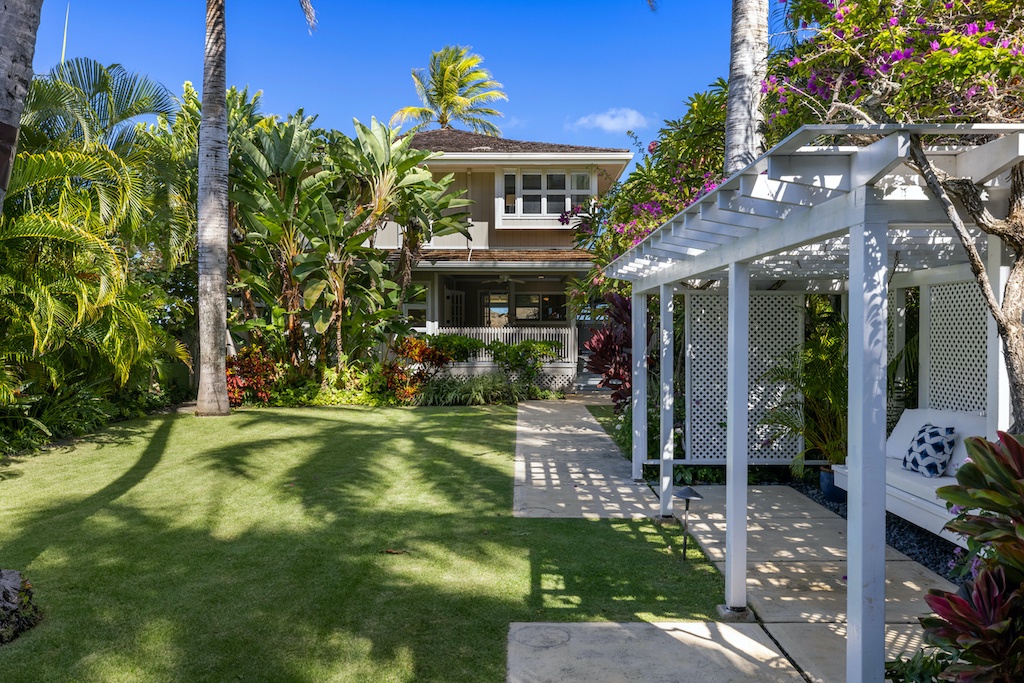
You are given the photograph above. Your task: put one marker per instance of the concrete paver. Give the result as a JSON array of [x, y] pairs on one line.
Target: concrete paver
[[567, 466], [820, 649], [654, 653]]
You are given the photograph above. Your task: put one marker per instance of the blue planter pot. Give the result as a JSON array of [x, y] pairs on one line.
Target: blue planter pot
[[827, 481]]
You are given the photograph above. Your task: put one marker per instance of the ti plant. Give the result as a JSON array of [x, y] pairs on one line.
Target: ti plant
[[991, 490], [983, 622]]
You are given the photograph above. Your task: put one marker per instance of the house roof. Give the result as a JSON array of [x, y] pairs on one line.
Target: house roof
[[461, 141]]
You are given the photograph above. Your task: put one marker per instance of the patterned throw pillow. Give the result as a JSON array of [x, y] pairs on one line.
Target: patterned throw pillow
[[930, 451]]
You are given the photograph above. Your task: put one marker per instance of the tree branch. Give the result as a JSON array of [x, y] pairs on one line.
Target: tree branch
[[930, 175]]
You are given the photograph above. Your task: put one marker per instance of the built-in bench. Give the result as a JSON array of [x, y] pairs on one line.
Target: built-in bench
[[911, 495]]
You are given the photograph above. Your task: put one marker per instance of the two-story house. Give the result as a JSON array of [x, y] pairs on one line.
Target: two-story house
[[507, 280]]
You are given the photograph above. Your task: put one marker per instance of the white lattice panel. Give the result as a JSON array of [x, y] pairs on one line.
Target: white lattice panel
[[958, 378], [706, 327], [776, 326]]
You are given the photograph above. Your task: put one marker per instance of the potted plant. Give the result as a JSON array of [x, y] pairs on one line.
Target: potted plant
[[813, 405]]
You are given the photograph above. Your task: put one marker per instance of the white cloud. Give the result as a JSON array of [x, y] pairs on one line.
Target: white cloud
[[615, 120]]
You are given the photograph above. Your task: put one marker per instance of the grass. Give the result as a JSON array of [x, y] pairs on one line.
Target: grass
[[317, 544]]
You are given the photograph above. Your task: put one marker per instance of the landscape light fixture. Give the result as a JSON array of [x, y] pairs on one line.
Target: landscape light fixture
[[687, 494]]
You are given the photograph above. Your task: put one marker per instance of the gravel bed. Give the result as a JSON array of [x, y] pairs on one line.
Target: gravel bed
[[916, 543]]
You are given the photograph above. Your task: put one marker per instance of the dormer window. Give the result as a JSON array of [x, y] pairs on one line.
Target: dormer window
[[545, 193]]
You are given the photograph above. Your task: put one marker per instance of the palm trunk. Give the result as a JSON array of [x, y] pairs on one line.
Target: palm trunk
[[213, 219], [19, 22], [748, 64]]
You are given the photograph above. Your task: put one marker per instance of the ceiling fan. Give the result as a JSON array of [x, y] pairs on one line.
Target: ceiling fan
[[504, 279]]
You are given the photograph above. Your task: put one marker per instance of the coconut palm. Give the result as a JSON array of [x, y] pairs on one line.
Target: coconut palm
[[18, 25], [213, 230], [748, 63], [455, 88]]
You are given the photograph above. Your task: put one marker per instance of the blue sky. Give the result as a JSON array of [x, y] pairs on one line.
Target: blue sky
[[575, 72]]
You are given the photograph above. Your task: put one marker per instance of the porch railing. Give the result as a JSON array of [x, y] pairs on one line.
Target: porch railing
[[513, 335]]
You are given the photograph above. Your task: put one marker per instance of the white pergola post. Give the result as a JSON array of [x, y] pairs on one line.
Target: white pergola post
[[667, 397], [639, 384], [998, 401], [865, 552], [737, 397]]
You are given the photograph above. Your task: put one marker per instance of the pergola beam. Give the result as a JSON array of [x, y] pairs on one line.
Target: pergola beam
[[992, 159]]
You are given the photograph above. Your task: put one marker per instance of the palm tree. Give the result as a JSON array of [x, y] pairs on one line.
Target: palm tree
[[213, 229], [454, 88], [748, 63], [19, 22]]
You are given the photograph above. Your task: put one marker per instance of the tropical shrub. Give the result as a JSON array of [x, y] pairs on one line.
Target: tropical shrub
[[522, 362], [982, 624], [251, 375], [611, 349]]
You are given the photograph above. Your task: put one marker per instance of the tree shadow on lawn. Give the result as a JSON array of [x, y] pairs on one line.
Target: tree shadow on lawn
[[134, 594]]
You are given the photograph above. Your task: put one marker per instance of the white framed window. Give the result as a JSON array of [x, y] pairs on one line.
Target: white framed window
[[545, 193]]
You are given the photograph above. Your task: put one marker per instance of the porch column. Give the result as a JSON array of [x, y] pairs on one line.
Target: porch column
[[997, 407], [667, 397], [737, 393], [865, 551], [639, 384]]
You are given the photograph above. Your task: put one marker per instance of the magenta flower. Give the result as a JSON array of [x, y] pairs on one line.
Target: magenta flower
[[893, 21], [970, 29], [934, 45], [990, 26]]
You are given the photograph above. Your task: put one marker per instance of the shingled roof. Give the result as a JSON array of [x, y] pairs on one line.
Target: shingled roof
[[451, 140]]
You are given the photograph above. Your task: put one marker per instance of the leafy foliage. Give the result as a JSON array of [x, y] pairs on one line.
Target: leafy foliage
[[250, 376], [611, 349], [521, 362], [982, 624]]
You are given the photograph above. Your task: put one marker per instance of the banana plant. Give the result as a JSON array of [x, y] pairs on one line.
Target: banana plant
[[276, 187]]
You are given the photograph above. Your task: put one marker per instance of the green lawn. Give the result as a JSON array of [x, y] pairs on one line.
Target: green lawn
[[255, 547]]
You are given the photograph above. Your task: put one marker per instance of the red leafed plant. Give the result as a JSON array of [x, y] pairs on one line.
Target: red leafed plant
[[250, 376], [984, 623], [611, 353]]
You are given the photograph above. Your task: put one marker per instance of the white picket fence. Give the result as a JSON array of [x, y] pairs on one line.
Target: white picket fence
[[567, 336]]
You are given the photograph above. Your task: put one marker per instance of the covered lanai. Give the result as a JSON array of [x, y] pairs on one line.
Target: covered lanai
[[851, 217]]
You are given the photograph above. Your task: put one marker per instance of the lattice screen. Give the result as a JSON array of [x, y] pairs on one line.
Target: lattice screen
[[959, 328], [776, 326]]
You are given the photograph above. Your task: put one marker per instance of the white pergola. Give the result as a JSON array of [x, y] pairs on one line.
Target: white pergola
[[813, 213]]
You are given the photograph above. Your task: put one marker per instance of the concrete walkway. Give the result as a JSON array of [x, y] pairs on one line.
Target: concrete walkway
[[566, 466]]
